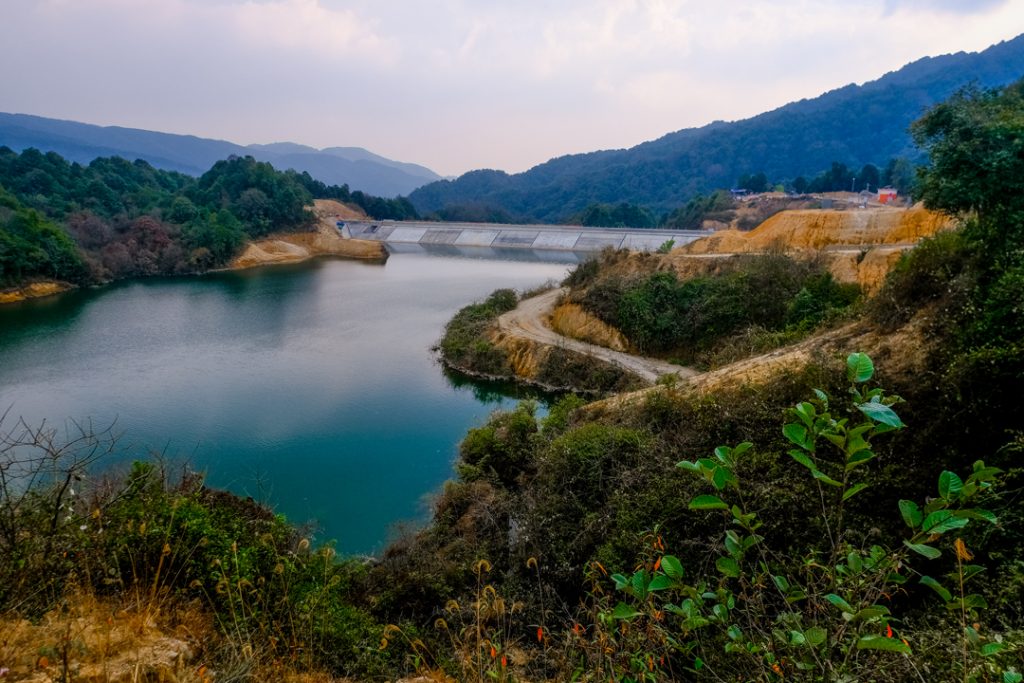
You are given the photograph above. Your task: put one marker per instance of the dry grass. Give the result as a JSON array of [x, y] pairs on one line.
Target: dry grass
[[106, 640]]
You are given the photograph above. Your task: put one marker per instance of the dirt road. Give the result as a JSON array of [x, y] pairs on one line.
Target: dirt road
[[529, 321]]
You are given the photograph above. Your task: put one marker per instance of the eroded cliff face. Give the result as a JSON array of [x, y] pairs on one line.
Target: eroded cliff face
[[859, 246], [572, 321], [815, 229], [524, 355]]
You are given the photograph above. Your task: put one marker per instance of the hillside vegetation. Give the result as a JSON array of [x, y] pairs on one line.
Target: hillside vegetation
[[852, 126], [852, 513], [116, 219]]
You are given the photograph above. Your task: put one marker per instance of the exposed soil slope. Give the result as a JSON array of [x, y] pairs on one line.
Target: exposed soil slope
[[860, 245], [33, 290], [324, 241]]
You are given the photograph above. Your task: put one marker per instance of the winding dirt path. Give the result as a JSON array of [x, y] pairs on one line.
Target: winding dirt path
[[529, 321]]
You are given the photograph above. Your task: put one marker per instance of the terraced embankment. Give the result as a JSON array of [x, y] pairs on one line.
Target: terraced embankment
[[860, 246]]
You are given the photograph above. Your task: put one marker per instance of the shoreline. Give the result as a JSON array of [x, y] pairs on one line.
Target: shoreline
[[34, 290]]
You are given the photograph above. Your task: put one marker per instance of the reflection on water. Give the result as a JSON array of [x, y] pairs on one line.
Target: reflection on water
[[313, 385], [497, 391]]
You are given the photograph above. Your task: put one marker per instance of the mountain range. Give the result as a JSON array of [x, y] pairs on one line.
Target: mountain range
[[82, 142], [854, 125]]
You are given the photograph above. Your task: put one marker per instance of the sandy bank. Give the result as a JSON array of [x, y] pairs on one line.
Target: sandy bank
[[323, 241], [33, 290]]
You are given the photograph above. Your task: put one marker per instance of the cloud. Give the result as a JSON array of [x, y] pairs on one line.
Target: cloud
[[944, 6], [458, 84]]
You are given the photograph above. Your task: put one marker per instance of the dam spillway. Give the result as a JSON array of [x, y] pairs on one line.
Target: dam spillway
[[502, 236]]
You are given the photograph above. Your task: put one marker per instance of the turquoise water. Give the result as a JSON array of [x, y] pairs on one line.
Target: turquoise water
[[311, 387]]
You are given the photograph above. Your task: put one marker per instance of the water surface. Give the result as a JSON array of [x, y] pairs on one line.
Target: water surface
[[312, 387]]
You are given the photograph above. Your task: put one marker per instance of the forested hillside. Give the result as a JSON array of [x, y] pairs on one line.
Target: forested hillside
[[854, 125], [114, 219]]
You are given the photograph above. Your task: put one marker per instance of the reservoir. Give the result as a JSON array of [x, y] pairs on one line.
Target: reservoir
[[310, 387]]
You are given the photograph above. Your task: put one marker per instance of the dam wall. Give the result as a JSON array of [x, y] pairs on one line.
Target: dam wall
[[501, 236]]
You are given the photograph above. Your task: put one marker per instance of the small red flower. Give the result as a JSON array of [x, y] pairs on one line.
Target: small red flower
[[540, 634], [888, 631]]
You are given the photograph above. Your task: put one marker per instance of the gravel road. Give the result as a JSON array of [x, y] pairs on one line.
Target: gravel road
[[529, 321]]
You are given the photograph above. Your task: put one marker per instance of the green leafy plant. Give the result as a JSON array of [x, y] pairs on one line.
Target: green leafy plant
[[825, 613]]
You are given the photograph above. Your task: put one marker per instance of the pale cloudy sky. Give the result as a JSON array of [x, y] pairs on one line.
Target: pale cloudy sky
[[460, 84]]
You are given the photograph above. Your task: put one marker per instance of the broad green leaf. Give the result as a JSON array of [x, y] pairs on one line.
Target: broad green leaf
[[671, 565], [941, 521], [689, 466], [708, 502], [620, 581], [882, 643], [853, 491], [624, 611], [869, 613], [978, 513], [911, 513], [822, 396], [839, 602], [879, 412], [815, 636], [796, 433], [972, 570], [991, 649], [859, 368], [1012, 677], [721, 478], [741, 448], [639, 583], [972, 601], [859, 458], [949, 484], [797, 638], [782, 583], [937, 587], [801, 458], [922, 549], [659, 583], [728, 567], [805, 411], [824, 478]]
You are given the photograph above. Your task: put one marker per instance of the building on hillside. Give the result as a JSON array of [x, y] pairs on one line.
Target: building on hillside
[[887, 195]]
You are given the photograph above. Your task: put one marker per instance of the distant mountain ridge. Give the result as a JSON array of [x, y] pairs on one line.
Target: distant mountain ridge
[[854, 125], [356, 167]]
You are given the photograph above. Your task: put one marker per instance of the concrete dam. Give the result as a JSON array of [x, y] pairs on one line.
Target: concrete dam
[[500, 236]]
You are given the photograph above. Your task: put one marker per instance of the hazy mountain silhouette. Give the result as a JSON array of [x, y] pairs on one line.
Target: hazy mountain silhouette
[[82, 142], [853, 125]]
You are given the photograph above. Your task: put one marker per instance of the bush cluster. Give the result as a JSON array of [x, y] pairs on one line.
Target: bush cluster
[[694, 318]]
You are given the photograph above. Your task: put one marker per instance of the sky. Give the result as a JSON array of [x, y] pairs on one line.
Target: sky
[[460, 84]]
